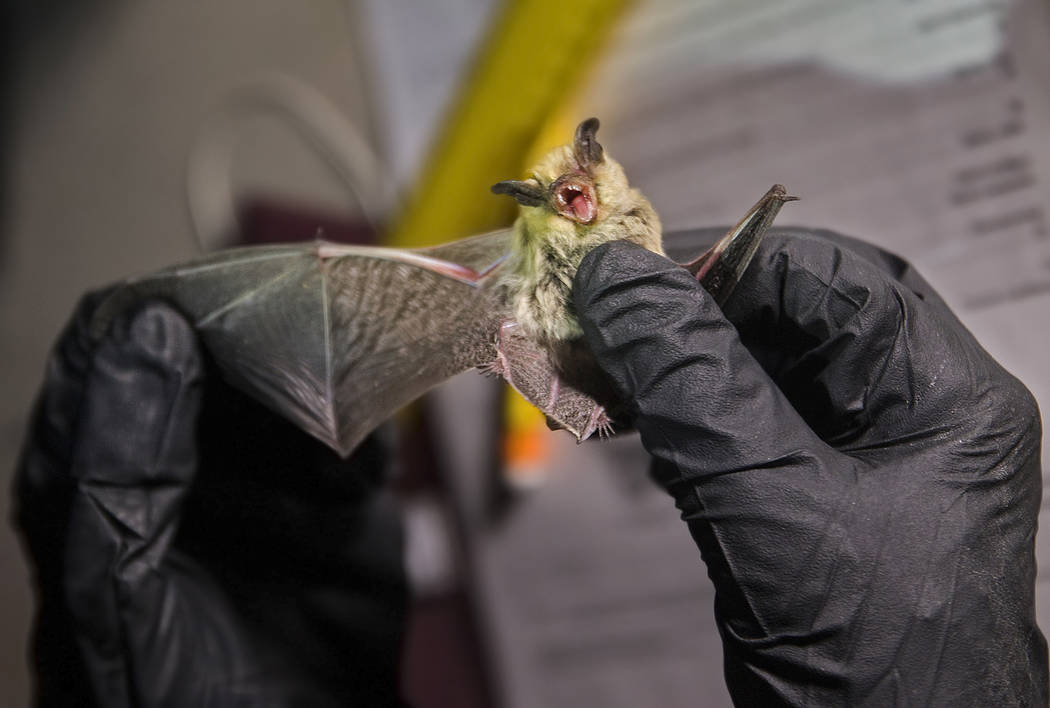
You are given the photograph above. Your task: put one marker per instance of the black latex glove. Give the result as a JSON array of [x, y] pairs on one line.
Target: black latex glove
[[861, 477], [192, 549]]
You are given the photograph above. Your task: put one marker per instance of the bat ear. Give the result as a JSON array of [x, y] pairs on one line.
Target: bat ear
[[526, 192], [588, 150]]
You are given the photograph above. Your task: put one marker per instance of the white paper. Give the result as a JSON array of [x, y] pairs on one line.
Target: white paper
[[420, 53], [921, 126]]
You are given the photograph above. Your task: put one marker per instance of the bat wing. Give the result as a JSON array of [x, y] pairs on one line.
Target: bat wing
[[337, 338], [720, 268]]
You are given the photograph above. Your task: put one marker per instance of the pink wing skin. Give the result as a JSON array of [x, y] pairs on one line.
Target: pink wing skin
[[469, 261]]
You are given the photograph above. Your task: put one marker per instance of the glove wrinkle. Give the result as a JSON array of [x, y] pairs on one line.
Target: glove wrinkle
[[708, 385], [143, 600], [853, 467]]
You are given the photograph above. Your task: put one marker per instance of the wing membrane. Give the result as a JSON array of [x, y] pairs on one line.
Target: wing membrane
[[335, 338]]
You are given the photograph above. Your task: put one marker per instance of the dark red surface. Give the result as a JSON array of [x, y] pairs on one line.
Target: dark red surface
[[265, 220]]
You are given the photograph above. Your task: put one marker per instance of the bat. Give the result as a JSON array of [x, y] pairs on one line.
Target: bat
[[337, 337]]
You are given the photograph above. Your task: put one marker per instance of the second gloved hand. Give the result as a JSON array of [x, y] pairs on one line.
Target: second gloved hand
[[191, 548], [861, 477]]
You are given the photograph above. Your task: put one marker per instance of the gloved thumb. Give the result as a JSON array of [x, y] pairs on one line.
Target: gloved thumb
[[703, 405]]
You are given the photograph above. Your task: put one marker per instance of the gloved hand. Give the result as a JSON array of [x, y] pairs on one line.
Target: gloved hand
[[192, 549], [861, 477]]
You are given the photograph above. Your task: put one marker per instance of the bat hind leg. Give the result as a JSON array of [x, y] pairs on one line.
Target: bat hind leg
[[531, 369]]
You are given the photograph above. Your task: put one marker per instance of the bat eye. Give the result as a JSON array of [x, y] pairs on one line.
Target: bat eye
[[574, 199]]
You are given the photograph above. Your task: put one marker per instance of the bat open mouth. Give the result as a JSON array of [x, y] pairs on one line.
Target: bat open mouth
[[575, 199]]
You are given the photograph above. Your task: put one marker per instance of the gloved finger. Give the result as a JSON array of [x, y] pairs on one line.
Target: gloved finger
[[700, 399], [867, 360], [42, 495], [42, 481], [133, 457]]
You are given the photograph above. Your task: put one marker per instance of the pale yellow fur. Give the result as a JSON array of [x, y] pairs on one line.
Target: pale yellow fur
[[548, 247]]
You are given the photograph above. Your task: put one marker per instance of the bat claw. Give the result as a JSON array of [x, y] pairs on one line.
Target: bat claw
[[601, 423]]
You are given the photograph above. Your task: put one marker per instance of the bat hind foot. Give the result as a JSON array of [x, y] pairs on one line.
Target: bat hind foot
[[600, 423]]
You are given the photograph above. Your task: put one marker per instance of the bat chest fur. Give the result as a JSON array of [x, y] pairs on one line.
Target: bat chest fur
[[542, 301], [539, 282]]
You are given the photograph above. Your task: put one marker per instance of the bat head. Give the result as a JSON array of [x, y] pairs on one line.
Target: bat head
[[576, 184], [576, 197]]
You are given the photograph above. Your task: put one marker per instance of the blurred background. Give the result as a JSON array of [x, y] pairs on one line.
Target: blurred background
[[138, 134]]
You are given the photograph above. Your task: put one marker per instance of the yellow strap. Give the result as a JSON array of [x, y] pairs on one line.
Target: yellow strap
[[511, 110], [532, 61]]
